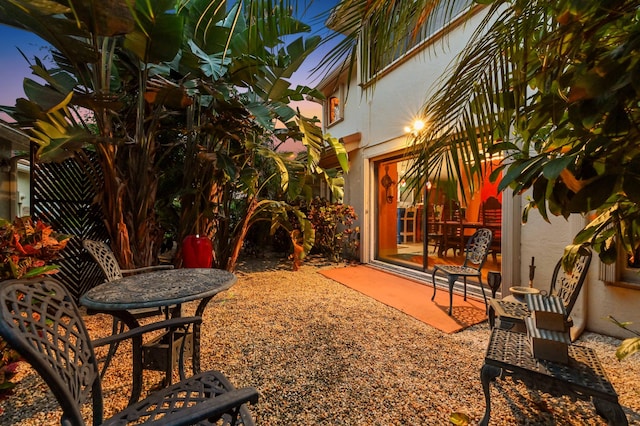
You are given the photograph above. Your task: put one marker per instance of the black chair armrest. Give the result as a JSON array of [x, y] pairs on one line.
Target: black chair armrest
[[145, 269], [171, 324], [212, 408]]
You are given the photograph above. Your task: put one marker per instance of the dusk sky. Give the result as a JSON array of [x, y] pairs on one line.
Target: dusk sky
[[15, 68]]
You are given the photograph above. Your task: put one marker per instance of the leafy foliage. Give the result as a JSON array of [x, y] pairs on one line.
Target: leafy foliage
[[554, 84], [334, 234], [195, 82], [27, 248], [9, 360], [628, 346]]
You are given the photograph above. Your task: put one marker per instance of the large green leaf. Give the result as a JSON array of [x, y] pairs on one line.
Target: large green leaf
[[46, 97], [627, 347], [593, 195], [159, 34], [213, 66]]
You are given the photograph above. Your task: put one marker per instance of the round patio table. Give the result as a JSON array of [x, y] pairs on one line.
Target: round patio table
[[160, 289]]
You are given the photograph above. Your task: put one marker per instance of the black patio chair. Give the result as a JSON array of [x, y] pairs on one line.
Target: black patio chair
[[106, 260], [41, 321], [511, 312], [476, 252]]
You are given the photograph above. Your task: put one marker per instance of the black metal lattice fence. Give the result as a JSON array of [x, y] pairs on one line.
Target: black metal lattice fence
[[62, 195]]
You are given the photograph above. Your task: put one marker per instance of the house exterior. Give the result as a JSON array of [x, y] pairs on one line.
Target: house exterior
[[371, 121], [14, 173]]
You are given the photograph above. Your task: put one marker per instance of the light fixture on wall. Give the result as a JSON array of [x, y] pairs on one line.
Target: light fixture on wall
[[416, 127], [387, 183]]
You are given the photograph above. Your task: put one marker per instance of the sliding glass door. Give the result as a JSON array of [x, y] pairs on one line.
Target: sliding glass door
[[419, 227]]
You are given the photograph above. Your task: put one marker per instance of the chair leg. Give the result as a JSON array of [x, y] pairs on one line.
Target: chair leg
[[484, 296], [465, 288], [492, 317], [433, 280], [452, 281], [113, 347]]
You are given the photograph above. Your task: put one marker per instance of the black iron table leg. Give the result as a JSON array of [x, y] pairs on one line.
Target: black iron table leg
[[613, 413], [487, 374]]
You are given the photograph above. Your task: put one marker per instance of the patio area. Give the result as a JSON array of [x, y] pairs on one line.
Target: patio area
[[321, 353]]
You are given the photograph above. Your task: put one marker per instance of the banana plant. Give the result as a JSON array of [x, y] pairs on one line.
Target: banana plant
[[127, 79], [239, 100]]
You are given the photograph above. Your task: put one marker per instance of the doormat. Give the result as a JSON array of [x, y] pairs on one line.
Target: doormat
[[411, 297]]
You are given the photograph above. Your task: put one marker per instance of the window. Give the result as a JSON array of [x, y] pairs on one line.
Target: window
[[334, 105], [334, 109], [625, 272], [408, 39]]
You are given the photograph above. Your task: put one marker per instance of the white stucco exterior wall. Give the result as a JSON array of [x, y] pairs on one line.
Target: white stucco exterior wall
[[380, 114]]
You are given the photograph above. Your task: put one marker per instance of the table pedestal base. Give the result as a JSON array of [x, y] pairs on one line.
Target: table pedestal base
[[156, 355]]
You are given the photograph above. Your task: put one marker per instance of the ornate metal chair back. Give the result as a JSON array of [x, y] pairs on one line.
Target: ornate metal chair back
[[40, 320], [105, 258], [567, 286], [478, 247]]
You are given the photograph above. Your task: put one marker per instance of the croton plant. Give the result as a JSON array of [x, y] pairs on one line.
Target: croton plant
[[27, 248]]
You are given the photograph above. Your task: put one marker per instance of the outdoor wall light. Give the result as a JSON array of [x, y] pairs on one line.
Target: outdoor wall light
[[387, 183], [416, 127]]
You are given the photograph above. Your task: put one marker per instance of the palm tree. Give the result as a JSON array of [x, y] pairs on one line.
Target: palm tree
[[550, 85]]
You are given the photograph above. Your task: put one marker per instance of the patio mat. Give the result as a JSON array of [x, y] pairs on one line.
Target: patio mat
[[411, 297]]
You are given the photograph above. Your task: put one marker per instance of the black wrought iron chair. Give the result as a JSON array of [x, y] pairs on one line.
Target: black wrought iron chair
[[41, 321], [109, 265], [511, 312], [476, 252], [107, 261]]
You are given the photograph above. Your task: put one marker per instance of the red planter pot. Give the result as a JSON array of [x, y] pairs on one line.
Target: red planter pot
[[197, 252]]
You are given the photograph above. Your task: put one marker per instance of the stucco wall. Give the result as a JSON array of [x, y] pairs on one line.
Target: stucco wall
[[381, 114], [382, 111], [604, 300]]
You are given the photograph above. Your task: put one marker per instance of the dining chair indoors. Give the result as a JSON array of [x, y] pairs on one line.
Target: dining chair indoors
[[40, 320], [491, 217], [476, 251]]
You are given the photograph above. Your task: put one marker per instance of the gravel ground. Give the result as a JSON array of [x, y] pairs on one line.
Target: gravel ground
[[322, 354]]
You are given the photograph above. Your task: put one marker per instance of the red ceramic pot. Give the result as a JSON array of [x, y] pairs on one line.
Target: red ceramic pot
[[197, 252]]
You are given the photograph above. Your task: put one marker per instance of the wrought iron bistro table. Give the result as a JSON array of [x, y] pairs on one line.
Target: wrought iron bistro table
[[159, 289], [583, 377]]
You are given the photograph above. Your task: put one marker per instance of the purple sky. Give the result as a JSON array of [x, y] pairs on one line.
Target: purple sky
[[14, 67]]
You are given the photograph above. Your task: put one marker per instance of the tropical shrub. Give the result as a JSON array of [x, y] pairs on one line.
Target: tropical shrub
[[179, 98], [9, 360], [333, 223], [27, 248]]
